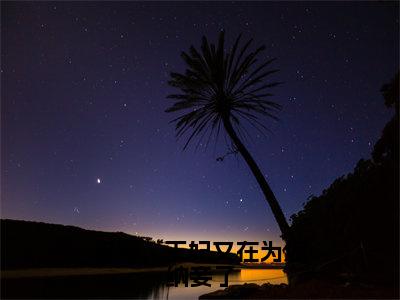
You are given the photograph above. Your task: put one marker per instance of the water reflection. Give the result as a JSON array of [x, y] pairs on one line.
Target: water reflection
[[149, 285], [258, 276]]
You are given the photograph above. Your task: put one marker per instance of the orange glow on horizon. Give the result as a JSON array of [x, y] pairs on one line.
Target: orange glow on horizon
[[274, 276]]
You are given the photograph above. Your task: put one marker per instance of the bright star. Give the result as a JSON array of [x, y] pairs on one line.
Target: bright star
[[98, 180]]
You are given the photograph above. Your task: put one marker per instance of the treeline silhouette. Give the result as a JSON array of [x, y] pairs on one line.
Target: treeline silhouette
[[351, 231], [26, 244]]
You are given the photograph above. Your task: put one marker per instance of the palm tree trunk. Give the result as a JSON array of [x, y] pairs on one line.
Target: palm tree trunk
[[269, 195]]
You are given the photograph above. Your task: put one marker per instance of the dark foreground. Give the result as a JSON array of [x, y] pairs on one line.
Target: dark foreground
[[314, 289], [106, 286]]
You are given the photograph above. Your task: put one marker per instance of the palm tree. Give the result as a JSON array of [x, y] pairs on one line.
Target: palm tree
[[226, 88]]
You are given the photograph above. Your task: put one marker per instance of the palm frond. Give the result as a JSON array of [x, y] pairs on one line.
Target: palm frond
[[220, 84]]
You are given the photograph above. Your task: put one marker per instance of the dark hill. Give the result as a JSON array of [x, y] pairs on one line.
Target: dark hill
[[33, 244], [351, 231]]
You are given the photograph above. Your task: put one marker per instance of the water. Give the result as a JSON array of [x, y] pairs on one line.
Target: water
[[143, 285], [258, 276]]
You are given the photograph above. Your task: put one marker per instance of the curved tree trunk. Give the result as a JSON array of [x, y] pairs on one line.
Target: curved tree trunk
[[269, 195]]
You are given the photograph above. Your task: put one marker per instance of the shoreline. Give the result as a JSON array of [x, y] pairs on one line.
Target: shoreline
[[56, 272]]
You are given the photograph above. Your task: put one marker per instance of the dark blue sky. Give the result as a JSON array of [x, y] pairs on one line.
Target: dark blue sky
[[84, 93]]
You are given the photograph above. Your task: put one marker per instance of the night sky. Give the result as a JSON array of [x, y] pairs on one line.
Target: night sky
[[86, 142]]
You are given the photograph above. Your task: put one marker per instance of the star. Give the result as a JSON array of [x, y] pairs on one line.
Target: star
[[98, 180]]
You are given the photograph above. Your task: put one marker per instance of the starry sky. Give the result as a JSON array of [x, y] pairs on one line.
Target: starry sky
[[85, 139]]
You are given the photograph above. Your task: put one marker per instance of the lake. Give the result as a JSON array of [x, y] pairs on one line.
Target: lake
[[143, 285]]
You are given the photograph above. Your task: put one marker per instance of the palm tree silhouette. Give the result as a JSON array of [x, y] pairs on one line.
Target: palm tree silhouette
[[226, 88]]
